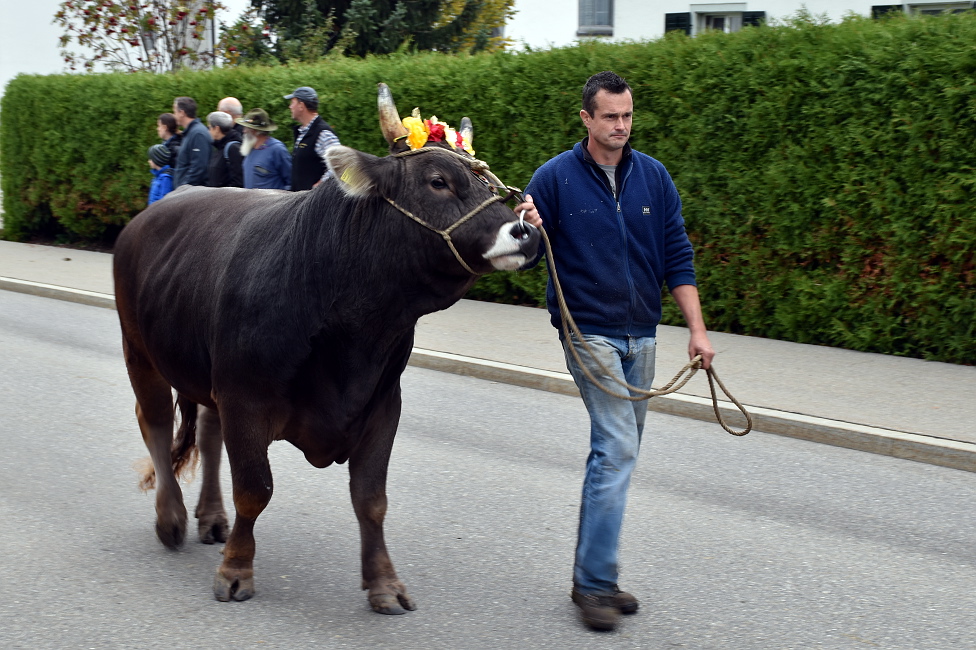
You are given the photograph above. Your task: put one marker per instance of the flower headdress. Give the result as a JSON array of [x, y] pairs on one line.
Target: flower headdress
[[419, 131]]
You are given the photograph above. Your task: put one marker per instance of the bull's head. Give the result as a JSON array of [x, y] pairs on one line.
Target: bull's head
[[442, 191]]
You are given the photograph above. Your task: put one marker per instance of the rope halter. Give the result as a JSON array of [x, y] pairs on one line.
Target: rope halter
[[480, 169]]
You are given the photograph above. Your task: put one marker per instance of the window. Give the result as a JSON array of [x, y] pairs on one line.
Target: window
[[922, 8], [595, 18], [723, 17], [939, 8], [727, 23]]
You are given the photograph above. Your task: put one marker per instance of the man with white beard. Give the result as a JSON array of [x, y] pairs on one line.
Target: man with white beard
[[267, 163]]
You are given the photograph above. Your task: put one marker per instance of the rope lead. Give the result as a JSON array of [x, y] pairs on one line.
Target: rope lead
[[573, 335]]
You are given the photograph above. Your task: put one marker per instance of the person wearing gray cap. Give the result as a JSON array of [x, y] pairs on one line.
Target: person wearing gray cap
[[312, 138]]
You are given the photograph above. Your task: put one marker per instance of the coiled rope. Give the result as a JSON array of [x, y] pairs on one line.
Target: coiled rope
[[636, 394]]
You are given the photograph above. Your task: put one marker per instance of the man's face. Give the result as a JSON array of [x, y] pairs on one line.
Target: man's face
[[180, 115], [215, 132], [295, 107], [250, 140], [609, 126]]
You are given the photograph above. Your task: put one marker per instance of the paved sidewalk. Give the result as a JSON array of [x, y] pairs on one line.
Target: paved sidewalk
[[907, 408]]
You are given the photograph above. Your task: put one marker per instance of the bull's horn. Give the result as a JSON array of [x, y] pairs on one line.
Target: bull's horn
[[389, 117], [467, 131]]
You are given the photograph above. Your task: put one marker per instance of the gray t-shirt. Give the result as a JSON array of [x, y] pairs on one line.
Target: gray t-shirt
[[611, 172]]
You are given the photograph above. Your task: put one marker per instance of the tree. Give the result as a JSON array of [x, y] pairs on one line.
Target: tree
[[311, 29], [133, 35]]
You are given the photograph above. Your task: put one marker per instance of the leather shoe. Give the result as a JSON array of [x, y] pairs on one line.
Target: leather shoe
[[626, 603], [599, 611]]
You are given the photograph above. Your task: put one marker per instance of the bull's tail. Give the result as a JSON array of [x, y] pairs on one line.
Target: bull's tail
[[185, 452], [184, 455]]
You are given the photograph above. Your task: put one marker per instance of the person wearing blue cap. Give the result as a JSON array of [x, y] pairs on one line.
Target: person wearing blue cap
[[313, 137]]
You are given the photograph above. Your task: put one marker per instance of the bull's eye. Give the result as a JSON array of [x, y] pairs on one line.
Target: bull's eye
[[438, 183]]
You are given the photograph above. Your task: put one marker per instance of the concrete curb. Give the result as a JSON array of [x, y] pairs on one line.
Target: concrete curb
[[92, 298], [886, 442]]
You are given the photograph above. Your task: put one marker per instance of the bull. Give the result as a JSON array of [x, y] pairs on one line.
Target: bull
[[291, 316]]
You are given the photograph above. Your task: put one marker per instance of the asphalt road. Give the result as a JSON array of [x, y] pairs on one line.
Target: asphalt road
[[759, 542]]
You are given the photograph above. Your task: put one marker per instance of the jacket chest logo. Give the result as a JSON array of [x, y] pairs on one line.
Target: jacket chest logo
[[646, 209]]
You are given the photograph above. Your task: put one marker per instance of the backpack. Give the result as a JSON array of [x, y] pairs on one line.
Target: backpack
[[227, 150]]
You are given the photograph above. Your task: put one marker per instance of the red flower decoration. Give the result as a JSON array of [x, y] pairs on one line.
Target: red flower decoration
[[459, 141], [435, 131]]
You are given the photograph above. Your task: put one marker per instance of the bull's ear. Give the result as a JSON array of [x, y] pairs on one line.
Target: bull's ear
[[355, 170]]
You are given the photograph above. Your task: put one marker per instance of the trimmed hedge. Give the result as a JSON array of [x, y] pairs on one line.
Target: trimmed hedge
[[827, 171]]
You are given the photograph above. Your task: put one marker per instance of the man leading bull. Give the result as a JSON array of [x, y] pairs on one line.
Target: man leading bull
[[613, 216]]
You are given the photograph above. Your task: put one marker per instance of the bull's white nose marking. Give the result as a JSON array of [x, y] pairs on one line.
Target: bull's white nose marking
[[505, 253]]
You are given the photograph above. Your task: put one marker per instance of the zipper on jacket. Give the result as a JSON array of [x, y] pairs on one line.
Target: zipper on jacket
[[615, 193], [623, 230]]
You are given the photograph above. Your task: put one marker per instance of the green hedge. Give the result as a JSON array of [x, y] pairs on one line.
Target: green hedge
[[827, 171]]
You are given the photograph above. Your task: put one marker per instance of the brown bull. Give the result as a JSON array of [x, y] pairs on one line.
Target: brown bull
[[290, 316]]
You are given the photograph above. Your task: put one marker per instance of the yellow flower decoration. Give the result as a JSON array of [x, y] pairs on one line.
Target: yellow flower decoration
[[417, 130], [420, 131]]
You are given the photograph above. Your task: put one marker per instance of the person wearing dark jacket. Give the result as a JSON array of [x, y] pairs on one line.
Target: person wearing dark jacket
[[613, 217], [166, 129], [226, 161], [193, 159], [312, 138]]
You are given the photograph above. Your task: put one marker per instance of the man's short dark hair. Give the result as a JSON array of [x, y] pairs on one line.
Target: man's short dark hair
[[311, 104], [607, 81], [169, 121], [188, 105]]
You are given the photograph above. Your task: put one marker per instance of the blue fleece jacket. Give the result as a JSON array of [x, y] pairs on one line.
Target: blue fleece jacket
[[613, 253], [268, 168], [162, 183]]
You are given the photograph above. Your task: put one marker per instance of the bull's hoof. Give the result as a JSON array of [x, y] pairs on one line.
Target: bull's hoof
[[392, 604], [213, 528], [171, 530], [238, 588]]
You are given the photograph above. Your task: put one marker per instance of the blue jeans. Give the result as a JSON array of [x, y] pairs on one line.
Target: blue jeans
[[616, 426]]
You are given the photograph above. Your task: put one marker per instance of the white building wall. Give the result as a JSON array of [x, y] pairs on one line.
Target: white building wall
[[553, 23]]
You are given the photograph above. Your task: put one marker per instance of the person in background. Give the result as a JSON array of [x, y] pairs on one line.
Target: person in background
[[267, 163], [193, 159], [162, 183], [166, 129], [226, 161], [232, 106], [613, 217], [312, 138]]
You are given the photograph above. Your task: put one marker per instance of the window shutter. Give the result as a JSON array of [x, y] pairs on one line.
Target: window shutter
[[880, 10], [678, 22], [753, 18]]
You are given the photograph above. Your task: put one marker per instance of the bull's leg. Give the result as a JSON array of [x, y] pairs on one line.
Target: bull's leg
[[246, 436], [367, 483], [154, 410], [211, 516]]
